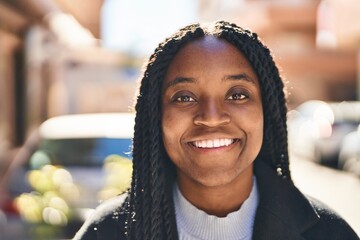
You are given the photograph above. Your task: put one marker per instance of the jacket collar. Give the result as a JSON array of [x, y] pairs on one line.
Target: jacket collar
[[283, 211]]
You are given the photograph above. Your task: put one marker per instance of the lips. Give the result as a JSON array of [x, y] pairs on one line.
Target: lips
[[213, 143]]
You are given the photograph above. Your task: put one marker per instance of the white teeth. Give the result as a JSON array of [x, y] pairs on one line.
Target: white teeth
[[216, 143], [213, 143]]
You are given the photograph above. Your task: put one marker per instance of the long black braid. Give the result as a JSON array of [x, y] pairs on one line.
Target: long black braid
[[150, 207]]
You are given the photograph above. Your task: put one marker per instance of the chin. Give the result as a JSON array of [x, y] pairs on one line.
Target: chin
[[223, 177], [216, 179]]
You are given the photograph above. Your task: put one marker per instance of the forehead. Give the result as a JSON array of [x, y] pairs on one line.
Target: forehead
[[209, 54]]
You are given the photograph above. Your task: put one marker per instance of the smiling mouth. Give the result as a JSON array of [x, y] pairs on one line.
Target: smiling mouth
[[214, 143]]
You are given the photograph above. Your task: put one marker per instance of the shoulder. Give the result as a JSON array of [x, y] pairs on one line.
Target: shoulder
[[330, 224], [106, 222]]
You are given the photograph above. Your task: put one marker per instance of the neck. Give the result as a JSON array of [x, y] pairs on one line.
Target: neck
[[219, 200]]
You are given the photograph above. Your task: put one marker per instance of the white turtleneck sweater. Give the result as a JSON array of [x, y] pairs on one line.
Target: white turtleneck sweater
[[193, 223]]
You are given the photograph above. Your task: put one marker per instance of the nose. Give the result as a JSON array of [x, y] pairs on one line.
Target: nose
[[212, 114]]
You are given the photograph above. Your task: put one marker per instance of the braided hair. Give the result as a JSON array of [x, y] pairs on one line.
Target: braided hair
[[150, 206]]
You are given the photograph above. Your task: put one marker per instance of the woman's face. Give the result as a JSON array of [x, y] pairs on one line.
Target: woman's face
[[212, 117]]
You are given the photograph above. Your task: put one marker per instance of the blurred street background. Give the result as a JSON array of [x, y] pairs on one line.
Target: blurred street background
[[68, 78]]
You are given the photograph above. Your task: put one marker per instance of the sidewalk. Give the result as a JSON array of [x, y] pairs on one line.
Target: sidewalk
[[339, 190]]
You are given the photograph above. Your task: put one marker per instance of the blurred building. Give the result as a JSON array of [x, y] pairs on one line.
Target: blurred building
[[40, 78], [312, 69]]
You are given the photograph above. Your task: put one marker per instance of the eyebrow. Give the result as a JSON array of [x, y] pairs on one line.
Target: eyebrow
[[236, 77], [179, 80], [241, 76]]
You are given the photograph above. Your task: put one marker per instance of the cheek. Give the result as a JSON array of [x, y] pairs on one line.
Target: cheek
[[167, 119], [255, 127], [165, 127], [170, 129], [258, 131]]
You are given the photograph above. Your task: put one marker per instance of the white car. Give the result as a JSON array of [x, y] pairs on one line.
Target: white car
[[63, 163]]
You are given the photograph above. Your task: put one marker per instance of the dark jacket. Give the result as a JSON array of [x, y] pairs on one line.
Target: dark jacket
[[284, 213]]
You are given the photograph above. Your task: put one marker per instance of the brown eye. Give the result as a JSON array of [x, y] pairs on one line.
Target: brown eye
[[237, 96], [184, 99]]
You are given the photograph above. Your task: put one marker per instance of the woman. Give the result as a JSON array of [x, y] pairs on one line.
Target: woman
[[210, 149]]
